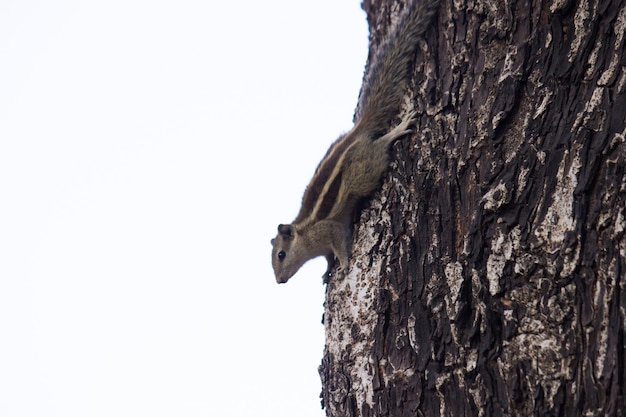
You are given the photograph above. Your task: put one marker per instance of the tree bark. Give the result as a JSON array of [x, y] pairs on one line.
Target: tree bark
[[487, 275]]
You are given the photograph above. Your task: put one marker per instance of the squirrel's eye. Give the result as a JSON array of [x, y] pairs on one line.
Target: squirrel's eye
[[281, 255]]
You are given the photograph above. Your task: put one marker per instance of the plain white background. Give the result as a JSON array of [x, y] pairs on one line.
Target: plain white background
[[148, 150]]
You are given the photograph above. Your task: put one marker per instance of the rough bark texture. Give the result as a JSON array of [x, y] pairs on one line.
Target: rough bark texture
[[488, 273]]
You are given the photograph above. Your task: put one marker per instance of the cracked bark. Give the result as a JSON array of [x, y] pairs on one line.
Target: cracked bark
[[488, 273]]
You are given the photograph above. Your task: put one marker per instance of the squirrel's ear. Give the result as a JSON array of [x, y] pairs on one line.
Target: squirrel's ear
[[286, 230]]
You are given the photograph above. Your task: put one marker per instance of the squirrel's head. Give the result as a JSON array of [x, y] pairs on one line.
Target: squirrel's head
[[287, 256]]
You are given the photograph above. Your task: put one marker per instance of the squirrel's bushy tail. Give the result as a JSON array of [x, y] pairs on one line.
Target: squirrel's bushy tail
[[385, 83]]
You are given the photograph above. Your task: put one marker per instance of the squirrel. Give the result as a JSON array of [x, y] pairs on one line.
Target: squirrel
[[354, 164]]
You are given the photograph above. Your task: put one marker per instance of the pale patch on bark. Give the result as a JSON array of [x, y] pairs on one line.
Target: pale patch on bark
[[603, 293], [543, 106], [542, 346], [590, 109], [559, 219], [621, 83], [480, 306], [619, 29], [496, 197], [352, 307], [620, 224], [411, 321], [502, 249], [439, 383], [557, 5], [478, 395], [522, 180], [581, 29], [482, 121], [454, 278]]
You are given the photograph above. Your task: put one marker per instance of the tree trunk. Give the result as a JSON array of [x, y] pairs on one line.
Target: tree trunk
[[487, 274]]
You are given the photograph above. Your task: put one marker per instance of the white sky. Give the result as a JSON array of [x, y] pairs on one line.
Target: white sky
[[148, 150]]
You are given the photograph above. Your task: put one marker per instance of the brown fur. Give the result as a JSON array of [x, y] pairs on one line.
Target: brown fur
[[354, 164]]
